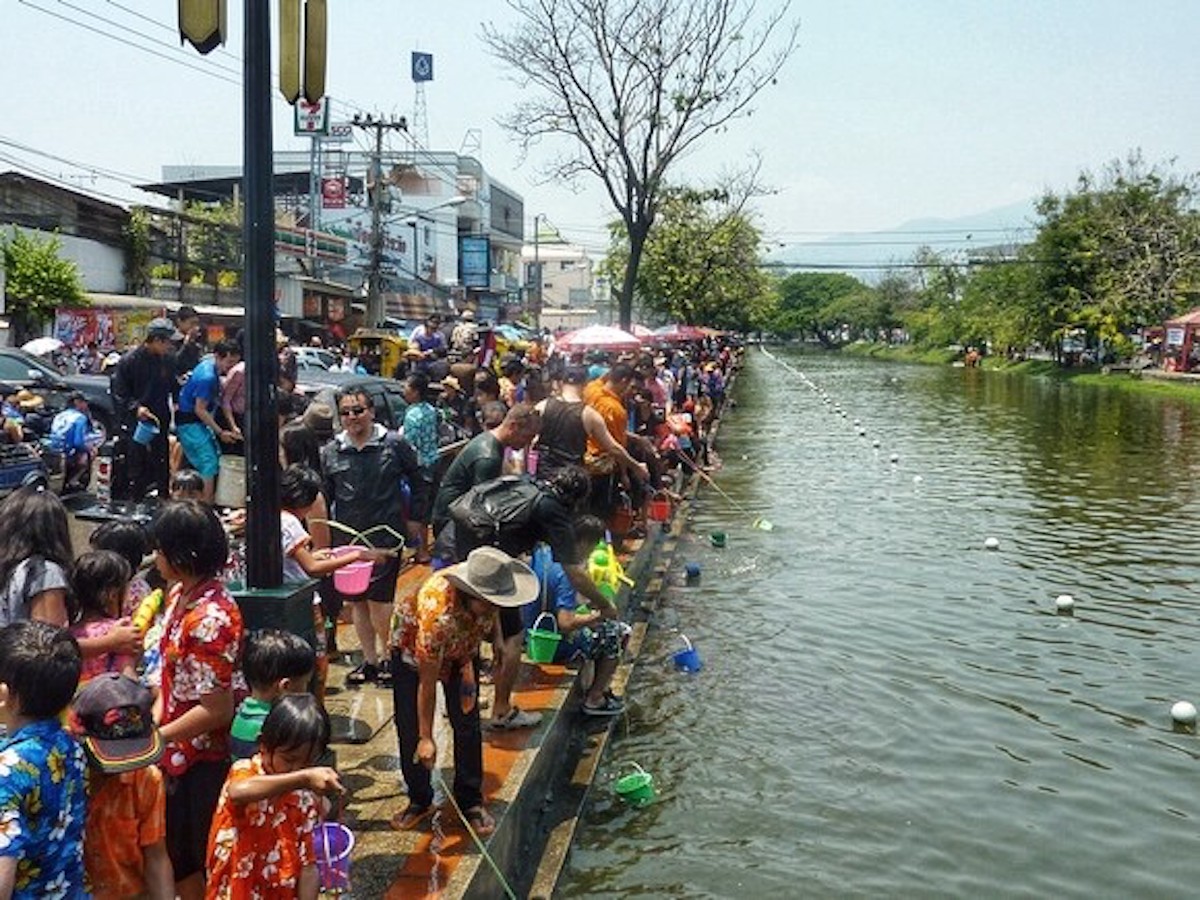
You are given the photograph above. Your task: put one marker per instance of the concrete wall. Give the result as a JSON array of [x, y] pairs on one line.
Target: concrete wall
[[101, 267]]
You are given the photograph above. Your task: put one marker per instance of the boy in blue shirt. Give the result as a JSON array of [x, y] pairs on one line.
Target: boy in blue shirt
[[42, 768], [195, 425], [594, 635]]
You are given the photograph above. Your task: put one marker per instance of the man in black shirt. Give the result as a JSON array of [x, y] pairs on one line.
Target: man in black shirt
[[363, 468], [141, 386]]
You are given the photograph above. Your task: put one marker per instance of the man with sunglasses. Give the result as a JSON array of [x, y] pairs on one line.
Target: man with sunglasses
[[364, 469]]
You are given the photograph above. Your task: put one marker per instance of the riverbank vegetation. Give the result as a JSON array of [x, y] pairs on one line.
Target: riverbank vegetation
[[1117, 254]]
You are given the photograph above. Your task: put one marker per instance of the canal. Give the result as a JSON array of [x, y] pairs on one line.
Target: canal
[[888, 708]]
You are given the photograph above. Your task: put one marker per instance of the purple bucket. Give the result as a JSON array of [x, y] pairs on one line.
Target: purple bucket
[[332, 843]]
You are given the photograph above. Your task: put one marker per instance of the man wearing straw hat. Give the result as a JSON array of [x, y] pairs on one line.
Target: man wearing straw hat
[[435, 636]]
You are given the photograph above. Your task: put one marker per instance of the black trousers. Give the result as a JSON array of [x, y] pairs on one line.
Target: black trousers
[[468, 738], [148, 467]]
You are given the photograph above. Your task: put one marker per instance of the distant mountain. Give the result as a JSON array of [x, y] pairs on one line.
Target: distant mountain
[[867, 255]]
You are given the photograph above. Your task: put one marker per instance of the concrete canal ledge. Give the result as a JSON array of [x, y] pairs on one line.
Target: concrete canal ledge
[[536, 780]]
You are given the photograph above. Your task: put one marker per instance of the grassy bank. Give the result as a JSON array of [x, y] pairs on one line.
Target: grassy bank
[[1035, 368]]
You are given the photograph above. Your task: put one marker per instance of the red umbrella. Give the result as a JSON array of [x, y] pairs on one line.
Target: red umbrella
[[678, 334], [598, 337], [642, 333]]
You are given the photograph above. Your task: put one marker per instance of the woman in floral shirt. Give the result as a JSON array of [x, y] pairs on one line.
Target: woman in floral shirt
[[261, 844], [200, 644], [435, 637]]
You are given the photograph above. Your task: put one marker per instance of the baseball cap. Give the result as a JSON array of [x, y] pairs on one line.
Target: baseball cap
[[112, 715], [163, 328]]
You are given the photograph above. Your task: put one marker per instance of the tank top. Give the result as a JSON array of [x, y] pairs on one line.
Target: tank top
[[562, 440]]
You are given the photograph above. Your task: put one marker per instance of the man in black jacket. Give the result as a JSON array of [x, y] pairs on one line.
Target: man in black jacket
[[364, 469], [141, 385]]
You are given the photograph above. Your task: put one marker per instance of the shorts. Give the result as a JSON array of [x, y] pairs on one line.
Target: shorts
[[191, 801], [382, 588], [200, 446], [604, 640]]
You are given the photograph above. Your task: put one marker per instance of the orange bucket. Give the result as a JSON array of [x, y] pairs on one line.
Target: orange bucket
[[659, 508]]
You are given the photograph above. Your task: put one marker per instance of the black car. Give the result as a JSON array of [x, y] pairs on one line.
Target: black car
[[27, 371]]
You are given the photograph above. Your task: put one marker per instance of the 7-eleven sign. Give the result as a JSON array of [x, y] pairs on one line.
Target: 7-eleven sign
[[312, 118]]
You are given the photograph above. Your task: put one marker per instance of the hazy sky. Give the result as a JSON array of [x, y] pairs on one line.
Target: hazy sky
[[888, 111]]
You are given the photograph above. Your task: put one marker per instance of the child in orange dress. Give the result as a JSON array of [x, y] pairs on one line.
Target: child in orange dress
[[261, 842]]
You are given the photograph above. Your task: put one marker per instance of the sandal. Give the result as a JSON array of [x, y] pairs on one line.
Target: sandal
[[481, 821], [609, 706], [411, 817]]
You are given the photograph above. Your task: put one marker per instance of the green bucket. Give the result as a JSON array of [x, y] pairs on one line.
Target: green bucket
[[636, 788], [717, 538], [543, 644]]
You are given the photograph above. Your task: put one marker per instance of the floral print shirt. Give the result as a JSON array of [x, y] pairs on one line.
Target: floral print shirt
[[42, 809], [421, 430], [257, 851], [200, 646], [434, 625]]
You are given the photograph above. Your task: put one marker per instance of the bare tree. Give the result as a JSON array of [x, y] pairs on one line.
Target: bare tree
[[635, 84]]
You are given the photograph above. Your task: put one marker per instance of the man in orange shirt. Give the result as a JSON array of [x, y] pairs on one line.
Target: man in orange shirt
[[607, 395]]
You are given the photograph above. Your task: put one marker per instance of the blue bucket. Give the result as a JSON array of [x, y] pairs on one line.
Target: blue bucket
[[145, 432], [692, 571], [687, 659]]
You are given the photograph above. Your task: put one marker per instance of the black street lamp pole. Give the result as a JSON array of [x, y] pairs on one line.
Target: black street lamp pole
[[264, 556]]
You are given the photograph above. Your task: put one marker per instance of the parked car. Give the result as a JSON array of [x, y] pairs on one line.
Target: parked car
[[25, 370], [315, 358]]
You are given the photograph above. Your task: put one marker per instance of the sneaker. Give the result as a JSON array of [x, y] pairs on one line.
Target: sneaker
[[610, 706], [362, 674], [516, 718]]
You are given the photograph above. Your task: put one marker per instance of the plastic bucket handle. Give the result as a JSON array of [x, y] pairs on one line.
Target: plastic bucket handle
[[538, 620]]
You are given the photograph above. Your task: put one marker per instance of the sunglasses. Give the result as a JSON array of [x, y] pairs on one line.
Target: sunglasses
[[352, 410]]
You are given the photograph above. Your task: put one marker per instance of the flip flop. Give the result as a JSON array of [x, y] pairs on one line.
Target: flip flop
[[411, 817], [481, 821]]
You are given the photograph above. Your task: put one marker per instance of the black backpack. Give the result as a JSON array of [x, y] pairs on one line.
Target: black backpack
[[497, 513]]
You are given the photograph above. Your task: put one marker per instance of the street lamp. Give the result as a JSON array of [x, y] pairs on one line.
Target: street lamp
[[537, 270]]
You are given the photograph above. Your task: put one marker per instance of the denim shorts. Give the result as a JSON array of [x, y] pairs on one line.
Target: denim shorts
[[200, 448]]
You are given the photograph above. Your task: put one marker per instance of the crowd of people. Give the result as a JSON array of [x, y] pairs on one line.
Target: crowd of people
[[135, 693]]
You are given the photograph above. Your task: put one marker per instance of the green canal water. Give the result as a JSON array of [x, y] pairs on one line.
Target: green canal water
[[887, 708]]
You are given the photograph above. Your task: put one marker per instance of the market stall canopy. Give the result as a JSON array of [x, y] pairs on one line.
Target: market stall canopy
[[679, 334], [1189, 318], [598, 337], [642, 333]]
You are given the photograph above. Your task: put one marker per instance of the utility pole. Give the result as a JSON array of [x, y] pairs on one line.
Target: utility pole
[[375, 311], [537, 271]]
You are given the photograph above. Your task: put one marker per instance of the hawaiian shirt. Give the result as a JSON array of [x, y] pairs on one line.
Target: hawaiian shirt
[[421, 430], [200, 646], [257, 851], [434, 625], [42, 808]]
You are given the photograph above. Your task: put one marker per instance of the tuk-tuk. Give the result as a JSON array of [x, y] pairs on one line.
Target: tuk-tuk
[[384, 346]]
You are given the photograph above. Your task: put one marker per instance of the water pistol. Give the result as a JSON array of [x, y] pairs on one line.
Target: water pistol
[[605, 570], [147, 610]]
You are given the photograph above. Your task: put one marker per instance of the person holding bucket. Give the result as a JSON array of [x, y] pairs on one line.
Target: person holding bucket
[[435, 637], [261, 840], [142, 384]]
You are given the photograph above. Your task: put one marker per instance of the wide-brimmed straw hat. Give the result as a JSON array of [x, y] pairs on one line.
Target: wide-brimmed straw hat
[[494, 576]]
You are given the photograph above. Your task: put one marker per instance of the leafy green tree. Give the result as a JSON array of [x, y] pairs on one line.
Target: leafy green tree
[[1120, 251], [815, 304], [213, 241], [136, 232], [624, 88], [701, 263], [38, 281]]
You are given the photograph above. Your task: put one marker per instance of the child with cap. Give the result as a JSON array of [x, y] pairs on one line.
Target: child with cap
[[42, 795], [124, 846], [274, 663], [261, 842]]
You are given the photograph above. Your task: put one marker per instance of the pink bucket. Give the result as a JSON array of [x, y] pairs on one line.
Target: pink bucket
[[354, 578]]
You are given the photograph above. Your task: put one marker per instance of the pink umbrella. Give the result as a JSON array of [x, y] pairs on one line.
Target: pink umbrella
[[679, 333], [598, 337], [642, 333]]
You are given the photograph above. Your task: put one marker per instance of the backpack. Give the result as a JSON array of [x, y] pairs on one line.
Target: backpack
[[497, 513]]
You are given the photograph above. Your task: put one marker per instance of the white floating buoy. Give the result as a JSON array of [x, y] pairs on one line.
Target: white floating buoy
[[875, 443], [1183, 715], [917, 479], [895, 457], [991, 544], [862, 432], [1064, 605], [857, 423]]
